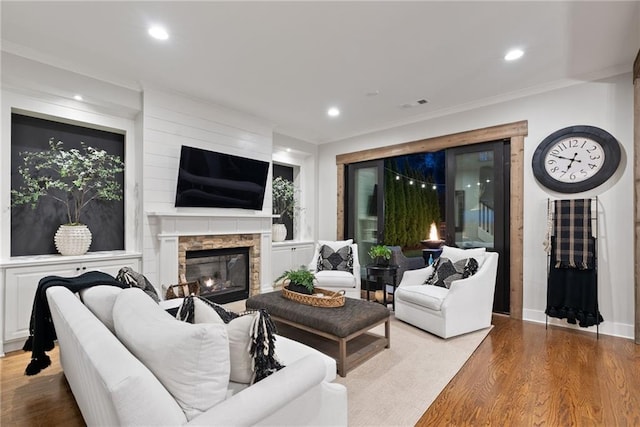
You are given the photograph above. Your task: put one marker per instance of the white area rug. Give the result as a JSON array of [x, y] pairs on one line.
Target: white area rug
[[395, 387]]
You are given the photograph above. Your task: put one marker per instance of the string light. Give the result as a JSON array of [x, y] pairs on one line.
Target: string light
[[413, 181]]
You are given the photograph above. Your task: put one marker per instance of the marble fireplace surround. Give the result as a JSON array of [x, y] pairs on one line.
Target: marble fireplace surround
[[178, 232]]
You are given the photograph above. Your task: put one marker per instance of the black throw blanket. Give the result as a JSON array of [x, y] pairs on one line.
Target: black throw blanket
[[41, 330]]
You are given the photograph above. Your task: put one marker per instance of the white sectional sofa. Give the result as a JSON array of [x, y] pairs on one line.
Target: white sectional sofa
[[114, 387]]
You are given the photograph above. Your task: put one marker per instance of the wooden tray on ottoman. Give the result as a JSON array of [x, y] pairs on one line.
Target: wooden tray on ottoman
[[328, 298]]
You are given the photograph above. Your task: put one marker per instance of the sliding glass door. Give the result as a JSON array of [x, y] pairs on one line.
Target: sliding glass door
[[478, 205], [365, 206]]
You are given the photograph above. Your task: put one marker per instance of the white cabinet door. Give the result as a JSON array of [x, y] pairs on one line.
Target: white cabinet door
[[21, 284], [290, 257], [280, 261], [302, 255]]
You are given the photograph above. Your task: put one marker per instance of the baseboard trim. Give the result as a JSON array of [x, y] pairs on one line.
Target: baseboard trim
[[615, 329]]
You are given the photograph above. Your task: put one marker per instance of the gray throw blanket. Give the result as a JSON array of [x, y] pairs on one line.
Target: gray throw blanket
[[574, 245]]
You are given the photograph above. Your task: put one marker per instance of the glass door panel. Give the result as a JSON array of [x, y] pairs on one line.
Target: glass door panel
[[365, 206], [478, 205], [474, 204]]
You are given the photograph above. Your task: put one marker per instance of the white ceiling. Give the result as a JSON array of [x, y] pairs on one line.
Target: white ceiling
[[287, 62]]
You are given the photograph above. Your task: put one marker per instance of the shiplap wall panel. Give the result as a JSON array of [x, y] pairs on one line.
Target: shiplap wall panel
[[222, 138], [172, 120]]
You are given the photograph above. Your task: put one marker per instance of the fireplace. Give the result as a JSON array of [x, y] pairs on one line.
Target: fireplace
[[178, 233], [223, 274], [228, 247]]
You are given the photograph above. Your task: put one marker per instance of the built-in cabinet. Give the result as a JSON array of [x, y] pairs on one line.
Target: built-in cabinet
[[290, 256], [21, 277]]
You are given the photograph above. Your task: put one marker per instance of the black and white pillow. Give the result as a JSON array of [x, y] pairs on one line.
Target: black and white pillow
[[445, 271], [251, 337], [132, 278], [340, 260]]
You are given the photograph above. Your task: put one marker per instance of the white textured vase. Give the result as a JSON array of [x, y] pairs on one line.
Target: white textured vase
[[72, 239], [278, 232]]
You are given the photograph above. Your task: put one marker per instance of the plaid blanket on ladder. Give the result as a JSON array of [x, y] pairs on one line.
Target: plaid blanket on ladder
[[574, 243]]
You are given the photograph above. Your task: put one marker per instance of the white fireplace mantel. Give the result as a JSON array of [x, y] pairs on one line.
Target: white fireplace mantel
[[169, 226], [191, 224]]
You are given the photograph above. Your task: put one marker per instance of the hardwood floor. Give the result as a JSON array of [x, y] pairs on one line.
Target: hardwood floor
[[524, 375], [520, 375], [40, 400]]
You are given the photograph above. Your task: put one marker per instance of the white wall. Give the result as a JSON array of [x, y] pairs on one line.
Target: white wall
[[171, 120], [302, 155], [607, 104]]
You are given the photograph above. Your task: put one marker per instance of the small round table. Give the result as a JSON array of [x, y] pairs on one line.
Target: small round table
[[381, 275]]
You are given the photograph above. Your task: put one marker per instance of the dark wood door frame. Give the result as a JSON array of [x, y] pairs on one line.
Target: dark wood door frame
[[516, 132], [636, 186]]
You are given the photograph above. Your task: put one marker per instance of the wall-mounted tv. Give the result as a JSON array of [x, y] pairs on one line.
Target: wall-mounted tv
[[217, 180]]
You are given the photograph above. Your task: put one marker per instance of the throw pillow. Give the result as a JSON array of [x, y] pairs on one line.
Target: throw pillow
[[333, 244], [191, 361], [330, 259], [456, 254], [251, 337], [132, 278], [445, 272], [100, 299], [470, 268], [443, 269]]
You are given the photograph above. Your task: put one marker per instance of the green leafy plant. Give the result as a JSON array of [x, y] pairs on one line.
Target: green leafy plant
[[284, 202], [72, 177], [380, 251], [301, 276]]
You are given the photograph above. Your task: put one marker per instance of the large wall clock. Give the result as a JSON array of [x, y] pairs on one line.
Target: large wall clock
[[576, 159]]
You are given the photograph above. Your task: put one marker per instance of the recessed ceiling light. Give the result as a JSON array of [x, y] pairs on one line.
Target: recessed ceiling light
[[77, 97], [288, 150], [333, 112], [158, 33], [513, 54]]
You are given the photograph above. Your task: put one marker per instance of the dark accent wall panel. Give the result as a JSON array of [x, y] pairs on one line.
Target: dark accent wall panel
[[32, 230]]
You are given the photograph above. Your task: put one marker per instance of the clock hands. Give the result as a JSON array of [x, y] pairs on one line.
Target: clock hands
[[566, 158], [571, 160]]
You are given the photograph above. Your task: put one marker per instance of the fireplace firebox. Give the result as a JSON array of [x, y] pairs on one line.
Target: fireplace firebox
[[223, 273]]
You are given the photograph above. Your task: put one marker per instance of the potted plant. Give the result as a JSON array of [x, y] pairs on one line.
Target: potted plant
[[73, 177], [301, 280], [380, 254], [284, 204]]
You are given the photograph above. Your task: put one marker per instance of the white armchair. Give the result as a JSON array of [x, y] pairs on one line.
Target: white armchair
[[465, 307], [336, 280]]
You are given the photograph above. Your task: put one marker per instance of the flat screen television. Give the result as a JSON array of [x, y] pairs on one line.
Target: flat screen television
[[217, 180]]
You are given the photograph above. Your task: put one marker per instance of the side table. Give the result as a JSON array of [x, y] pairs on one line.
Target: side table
[[381, 275]]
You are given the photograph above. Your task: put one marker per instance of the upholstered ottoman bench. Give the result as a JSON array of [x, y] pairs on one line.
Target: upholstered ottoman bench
[[341, 324]]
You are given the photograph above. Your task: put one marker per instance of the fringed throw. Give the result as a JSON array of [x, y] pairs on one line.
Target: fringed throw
[[264, 361], [262, 346], [574, 245]]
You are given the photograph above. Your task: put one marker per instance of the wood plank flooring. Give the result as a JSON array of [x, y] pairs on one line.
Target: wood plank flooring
[[40, 400], [524, 375], [520, 375]]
